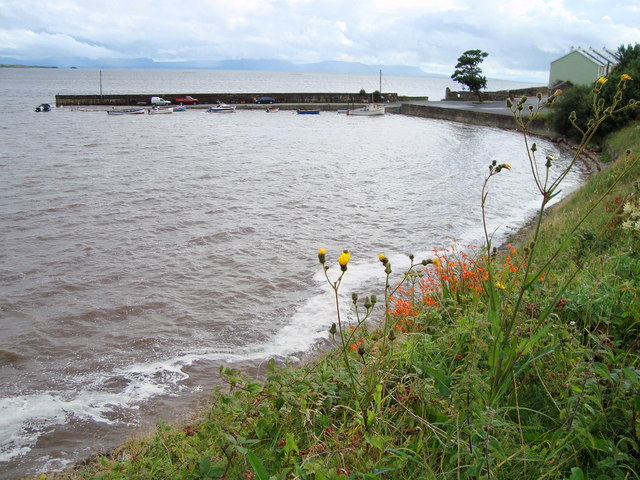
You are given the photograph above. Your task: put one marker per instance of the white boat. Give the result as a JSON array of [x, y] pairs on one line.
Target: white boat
[[159, 110], [222, 108], [130, 111], [367, 111]]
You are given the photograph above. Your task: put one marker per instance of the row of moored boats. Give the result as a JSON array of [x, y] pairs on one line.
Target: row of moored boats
[[368, 110]]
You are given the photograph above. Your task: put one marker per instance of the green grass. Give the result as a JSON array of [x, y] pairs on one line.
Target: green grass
[[453, 396]]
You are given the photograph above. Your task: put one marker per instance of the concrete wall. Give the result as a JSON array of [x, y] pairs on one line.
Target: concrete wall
[[211, 98], [500, 95], [486, 119]]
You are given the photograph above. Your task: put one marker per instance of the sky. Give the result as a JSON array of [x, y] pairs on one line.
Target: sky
[[521, 37]]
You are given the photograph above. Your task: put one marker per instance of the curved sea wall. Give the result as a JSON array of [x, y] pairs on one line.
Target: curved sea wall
[[475, 117]]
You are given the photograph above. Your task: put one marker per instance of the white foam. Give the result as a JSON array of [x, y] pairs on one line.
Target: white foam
[[25, 418]]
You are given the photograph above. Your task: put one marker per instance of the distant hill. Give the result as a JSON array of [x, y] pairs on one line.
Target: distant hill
[[9, 65], [243, 64]]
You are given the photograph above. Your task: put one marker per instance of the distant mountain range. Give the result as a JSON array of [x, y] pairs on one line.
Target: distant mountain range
[[245, 64]]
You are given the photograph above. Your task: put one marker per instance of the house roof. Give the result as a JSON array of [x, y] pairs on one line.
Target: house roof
[[601, 56]]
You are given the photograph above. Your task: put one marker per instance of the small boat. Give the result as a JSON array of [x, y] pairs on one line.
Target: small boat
[[130, 111], [159, 110], [43, 107], [368, 111], [272, 109], [309, 112], [222, 108], [180, 108]]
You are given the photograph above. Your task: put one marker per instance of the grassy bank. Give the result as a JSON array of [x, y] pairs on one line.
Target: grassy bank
[[520, 363]]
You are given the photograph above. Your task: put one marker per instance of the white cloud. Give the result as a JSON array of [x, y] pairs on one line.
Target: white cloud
[[522, 37]]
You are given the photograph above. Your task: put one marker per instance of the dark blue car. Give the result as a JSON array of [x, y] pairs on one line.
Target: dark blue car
[[265, 100]]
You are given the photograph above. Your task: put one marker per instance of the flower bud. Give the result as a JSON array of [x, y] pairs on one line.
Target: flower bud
[[361, 351], [321, 255], [354, 298], [392, 335], [411, 257], [550, 160], [374, 299], [534, 147], [333, 329], [383, 258], [367, 303], [509, 103]]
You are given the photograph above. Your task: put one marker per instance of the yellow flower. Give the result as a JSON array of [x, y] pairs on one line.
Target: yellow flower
[[344, 258], [382, 258], [624, 77], [507, 166], [322, 251], [557, 93], [602, 80], [500, 286], [436, 261]]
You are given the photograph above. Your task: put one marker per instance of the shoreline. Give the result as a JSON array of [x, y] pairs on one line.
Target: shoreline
[[258, 370]]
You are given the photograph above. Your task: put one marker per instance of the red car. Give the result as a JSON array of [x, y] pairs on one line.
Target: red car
[[187, 99]]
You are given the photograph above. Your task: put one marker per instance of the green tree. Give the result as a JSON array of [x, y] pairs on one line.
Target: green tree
[[468, 72]]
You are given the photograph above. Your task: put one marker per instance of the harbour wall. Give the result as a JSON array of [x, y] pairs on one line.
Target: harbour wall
[[473, 117], [500, 95], [212, 98]]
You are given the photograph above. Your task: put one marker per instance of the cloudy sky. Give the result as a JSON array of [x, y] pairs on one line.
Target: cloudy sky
[[521, 36]]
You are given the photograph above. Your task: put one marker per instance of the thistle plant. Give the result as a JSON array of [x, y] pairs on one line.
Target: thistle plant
[[509, 354]]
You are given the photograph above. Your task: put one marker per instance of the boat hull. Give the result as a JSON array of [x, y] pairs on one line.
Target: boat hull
[[369, 111], [308, 112], [137, 111]]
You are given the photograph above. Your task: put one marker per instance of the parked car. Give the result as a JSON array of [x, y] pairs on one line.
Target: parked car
[[265, 100], [159, 101], [187, 99]]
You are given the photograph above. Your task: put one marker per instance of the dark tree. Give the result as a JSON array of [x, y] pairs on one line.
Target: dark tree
[[468, 72]]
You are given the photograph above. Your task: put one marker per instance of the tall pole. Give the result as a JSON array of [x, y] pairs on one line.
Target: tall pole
[[100, 83]]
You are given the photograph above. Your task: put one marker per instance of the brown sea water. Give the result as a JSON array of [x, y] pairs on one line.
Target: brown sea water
[[138, 253]]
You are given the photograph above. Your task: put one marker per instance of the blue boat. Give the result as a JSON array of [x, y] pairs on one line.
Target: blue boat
[[309, 112]]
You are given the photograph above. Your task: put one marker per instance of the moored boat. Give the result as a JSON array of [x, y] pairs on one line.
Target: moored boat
[[367, 111], [272, 109], [43, 107], [160, 110], [309, 112], [130, 111], [222, 108]]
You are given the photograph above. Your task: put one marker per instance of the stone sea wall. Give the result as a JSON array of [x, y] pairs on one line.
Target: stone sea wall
[[212, 98], [500, 95], [487, 119]]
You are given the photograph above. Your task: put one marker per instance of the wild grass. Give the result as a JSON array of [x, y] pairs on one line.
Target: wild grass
[[520, 362]]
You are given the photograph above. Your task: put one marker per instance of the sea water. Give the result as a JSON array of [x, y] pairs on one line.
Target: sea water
[[139, 253]]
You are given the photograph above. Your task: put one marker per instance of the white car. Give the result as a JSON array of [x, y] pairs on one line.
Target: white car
[[159, 101]]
